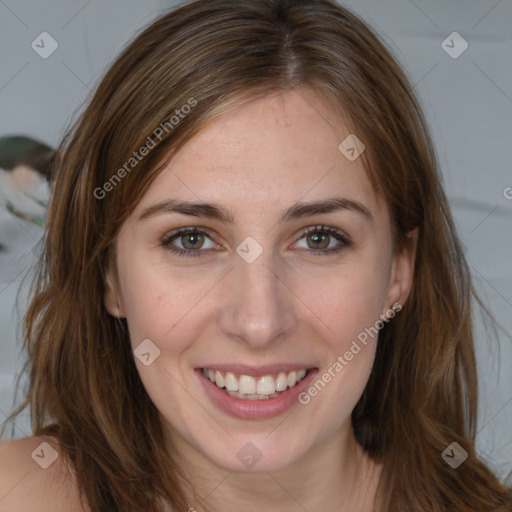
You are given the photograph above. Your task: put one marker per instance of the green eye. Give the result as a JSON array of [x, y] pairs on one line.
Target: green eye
[[192, 240]]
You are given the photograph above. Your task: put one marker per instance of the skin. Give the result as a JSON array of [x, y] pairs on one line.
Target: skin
[[27, 486], [257, 161]]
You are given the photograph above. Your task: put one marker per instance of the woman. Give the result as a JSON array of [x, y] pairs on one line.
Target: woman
[[252, 295]]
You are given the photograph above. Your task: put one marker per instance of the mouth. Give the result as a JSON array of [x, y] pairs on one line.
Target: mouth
[[255, 393], [248, 387]]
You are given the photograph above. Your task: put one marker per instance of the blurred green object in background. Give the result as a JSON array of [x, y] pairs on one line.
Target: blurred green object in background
[[22, 150]]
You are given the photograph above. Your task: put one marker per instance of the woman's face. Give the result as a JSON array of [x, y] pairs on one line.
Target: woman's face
[[255, 301]]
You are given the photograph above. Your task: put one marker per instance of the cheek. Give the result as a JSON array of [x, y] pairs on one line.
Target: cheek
[[347, 304], [159, 301], [347, 309], [345, 301]]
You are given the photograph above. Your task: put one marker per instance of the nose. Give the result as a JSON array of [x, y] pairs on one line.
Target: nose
[[259, 307]]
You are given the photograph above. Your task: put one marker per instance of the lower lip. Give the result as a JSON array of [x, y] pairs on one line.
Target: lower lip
[[255, 409]]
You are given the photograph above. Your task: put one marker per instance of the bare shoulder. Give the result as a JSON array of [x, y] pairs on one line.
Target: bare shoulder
[[34, 476]]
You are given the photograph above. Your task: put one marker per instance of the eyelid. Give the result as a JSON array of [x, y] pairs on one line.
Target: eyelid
[[184, 231], [321, 227]]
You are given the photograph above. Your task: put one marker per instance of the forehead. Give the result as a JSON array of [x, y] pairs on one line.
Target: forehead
[[266, 154]]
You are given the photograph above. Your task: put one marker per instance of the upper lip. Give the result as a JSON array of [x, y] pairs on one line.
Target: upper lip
[[257, 371]]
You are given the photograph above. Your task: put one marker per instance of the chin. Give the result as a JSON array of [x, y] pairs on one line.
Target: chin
[[272, 451]]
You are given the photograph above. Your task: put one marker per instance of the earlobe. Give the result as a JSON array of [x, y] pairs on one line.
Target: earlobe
[[112, 300], [403, 271]]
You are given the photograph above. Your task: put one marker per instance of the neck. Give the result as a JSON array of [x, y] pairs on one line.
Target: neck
[[335, 475]]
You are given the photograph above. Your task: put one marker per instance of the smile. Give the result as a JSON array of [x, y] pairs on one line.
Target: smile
[[248, 387], [250, 392]]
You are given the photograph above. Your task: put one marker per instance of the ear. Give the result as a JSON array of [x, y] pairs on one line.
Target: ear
[[402, 272], [112, 297]]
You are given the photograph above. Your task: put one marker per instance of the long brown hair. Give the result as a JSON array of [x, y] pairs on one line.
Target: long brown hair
[[84, 388]]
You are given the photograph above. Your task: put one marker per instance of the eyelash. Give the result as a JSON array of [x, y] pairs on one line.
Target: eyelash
[[335, 233]]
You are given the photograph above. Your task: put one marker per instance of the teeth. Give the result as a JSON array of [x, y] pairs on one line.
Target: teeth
[[266, 385], [247, 385], [292, 379], [281, 382], [252, 397], [231, 382], [251, 388], [219, 379]]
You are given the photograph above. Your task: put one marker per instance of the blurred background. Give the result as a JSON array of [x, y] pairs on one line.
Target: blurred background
[[458, 55]]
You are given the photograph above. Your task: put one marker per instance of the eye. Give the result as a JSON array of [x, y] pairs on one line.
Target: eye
[[319, 237], [192, 240]]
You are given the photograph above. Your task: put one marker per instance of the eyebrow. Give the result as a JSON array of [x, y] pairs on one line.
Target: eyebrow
[[297, 211]]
